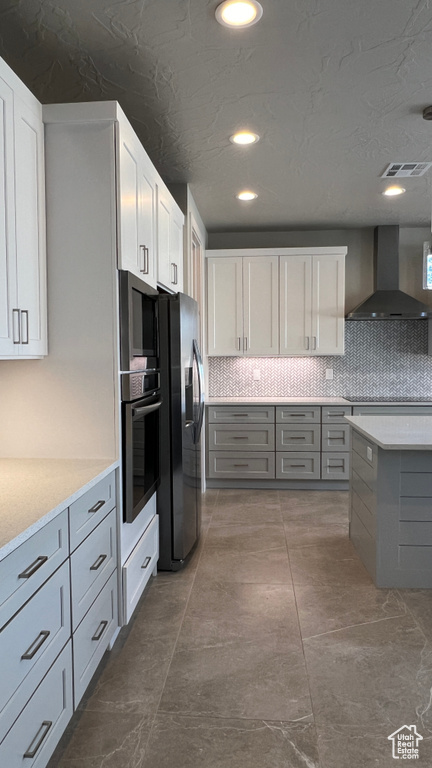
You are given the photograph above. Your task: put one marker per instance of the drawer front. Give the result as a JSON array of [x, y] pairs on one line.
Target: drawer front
[[291, 438], [139, 566], [93, 635], [335, 466], [91, 565], [230, 437], [334, 414], [218, 414], [411, 410], [298, 414], [31, 642], [365, 471], [87, 512], [336, 438], [31, 564], [34, 736], [241, 465], [368, 451], [297, 466]]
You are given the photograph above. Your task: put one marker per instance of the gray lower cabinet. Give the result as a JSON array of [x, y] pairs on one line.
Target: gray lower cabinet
[[294, 466], [335, 466], [241, 465], [42, 585], [244, 437]]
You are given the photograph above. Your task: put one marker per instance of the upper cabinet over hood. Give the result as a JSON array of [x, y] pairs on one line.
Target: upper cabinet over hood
[[388, 302]]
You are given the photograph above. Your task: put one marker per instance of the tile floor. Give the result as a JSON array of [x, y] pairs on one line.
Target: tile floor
[[272, 649]]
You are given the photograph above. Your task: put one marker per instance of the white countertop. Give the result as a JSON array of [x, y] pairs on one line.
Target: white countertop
[[277, 401], [396, 432], [34, 491]]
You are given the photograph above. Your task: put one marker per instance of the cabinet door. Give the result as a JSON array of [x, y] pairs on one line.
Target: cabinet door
[[225, 306], [130, 255], [295, 305], [260, 305], [147, 219], [30, 230], [165, 271], [176, 248], [328, 305], [7, 225]]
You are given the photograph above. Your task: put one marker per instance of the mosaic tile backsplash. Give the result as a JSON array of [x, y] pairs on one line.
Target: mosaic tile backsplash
[[382, 358]]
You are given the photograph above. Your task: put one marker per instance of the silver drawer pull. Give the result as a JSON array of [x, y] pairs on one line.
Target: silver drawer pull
[[239, 414], [98, 562], [97, 506], [336, 414], [31, 569], [146, 562], [303, 415], [298, 466], [25, 314], [296, 437], [100, 630], [241, 465], [240, 437], [38, 739], [16, 326], [36, 644]]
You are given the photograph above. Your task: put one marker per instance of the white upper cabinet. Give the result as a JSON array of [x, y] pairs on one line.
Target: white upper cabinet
[[137, 189], [170, 222], [243, 315], [268, 304], [22, 222]]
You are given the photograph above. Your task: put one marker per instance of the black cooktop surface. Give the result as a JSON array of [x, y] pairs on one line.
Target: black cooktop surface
[[396, 399]]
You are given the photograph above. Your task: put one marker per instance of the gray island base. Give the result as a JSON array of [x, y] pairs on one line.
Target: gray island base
[[391, 498]]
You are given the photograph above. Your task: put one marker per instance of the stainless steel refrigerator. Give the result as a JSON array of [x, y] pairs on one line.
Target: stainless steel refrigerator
[[182, 412]]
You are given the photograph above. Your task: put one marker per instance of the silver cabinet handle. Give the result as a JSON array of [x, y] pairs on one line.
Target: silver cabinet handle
[[243, 415], [24, 313], [175, 272], [36, 644], [296, 437], [146, 562], [38, 739], [33, 567], [239, 342], [298, 466], [97, 506], [98, 562], [306, 342], [314, 342], [241, 465], [100, 630], [16, 327], [145, 252], [245, 344], [332, 415], [240, 437], [303, 415]]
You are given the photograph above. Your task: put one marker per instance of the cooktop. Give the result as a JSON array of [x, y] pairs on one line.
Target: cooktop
[[377, 399]]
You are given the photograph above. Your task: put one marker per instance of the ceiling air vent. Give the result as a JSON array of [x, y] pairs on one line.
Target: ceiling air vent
[[402, 170]]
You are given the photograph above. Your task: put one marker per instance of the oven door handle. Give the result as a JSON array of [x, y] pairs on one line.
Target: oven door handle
[[145, 409]]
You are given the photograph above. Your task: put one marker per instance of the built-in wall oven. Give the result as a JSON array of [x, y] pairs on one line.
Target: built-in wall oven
[[140, 393]]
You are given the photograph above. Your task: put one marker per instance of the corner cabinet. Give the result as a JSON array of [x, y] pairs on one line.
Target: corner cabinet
[[170, 222], [267, 302], [23, 313]]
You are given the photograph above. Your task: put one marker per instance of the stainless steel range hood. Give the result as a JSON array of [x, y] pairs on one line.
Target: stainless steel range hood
[[388, 302]]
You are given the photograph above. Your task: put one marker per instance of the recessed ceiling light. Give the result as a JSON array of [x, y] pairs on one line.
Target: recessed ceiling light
[[393, 191], [247, 194], [238, 13], [244, 137]]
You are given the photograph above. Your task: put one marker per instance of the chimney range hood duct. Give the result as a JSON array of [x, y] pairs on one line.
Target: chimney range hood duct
[[388, 302]]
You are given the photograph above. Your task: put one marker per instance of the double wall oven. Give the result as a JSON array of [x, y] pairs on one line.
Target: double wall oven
[[140, 393]]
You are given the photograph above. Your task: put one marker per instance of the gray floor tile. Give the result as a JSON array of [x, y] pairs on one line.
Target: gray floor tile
[[254, 680], [305, 534], [341, 746], [246, 538], [247, 514], [376, 673], [419, 602], [225, 743], [336, 564], [270, 566], [326, 609]]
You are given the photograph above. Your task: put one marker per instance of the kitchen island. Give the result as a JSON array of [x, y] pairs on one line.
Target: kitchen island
[[391, 498]]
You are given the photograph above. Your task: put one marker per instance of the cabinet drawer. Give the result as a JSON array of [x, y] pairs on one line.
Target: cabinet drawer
[[291, 438], [336, 438], [335, 466], [34, 736], [92, 637], [31, 564], [91, 565], [230, 437], [241, 465], [240, 414], [334, 414], [31, 642], [298, 414], [297, 466], [139, 566], [87, 512]]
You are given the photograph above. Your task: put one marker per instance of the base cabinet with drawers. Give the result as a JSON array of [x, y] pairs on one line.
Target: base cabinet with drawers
[[298, 443], [58, 613]]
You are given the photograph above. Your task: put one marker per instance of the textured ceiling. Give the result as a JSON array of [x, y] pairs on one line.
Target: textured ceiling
[[335, 89]]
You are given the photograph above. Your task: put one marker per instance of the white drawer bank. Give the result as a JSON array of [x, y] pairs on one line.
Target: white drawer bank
[[58, 613]]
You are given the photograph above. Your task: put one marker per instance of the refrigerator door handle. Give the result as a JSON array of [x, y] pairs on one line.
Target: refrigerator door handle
[[200, 372]]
